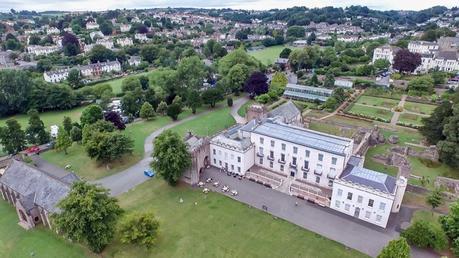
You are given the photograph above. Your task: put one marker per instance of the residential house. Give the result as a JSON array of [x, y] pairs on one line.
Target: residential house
[[385, 52], [124, 42], [92, 25]]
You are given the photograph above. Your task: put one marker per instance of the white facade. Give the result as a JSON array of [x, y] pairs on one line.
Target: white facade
[[141, 37], [385, 53], [108, 43], [125, 27], [92, 26], [56, 76], [422, 47], [42, 50], [446, 61], [124, 42], [52, 30], [95, 69]]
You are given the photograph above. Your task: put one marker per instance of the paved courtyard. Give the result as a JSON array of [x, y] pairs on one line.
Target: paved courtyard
[[356, 234]]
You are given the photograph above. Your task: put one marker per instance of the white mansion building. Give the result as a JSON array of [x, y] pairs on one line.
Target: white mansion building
[[310, 165], [95, 69], [442, 55], [385, 52]]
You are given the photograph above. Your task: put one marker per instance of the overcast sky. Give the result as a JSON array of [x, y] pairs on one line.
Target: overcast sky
[[97, 5]]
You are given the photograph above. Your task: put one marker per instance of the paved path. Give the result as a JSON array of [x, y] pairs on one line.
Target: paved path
[[235, 108], [133, 176], [354, 233], [396, 115]]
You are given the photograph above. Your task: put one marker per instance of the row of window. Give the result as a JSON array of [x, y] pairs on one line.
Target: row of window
[[214, 151], [347, 207], [320, 156], [382, 205], [220, 163]]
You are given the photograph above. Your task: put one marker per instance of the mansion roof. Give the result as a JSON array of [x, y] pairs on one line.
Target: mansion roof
[[369, 178]]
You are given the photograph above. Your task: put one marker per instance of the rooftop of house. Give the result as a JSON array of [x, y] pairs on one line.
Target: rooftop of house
[[37, 186], [287, 110], [304, 137], [369, 178], [231, 139]]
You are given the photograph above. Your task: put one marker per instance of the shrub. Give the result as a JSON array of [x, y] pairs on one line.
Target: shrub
[[229, 101], [424, 234]]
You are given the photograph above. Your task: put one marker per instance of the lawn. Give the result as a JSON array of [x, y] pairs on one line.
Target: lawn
[[419, 108], [116, 83], [39, 242], [208, 124], [268, 55], [216, 226], [243, 109], [48, 118], [376, 166], [371, 112], [377, 102], [404, 135], [330, 129], [412, 119]]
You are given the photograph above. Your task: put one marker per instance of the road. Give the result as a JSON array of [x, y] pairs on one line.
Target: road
[[127, 179]]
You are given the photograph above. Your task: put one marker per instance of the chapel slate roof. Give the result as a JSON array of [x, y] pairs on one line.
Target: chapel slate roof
[[369, 178], [288, 110], [28, 181]]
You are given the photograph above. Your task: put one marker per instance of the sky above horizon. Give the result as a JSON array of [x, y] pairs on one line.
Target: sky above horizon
[[85, 5]]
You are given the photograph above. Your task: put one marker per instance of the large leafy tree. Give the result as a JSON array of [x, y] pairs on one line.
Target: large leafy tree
[[170, 156], [147, 111], [15, 91], [115, 119], [435, 198], [91, 114], [100, 53], [12, 137], [194, 100], [421, 85], [257, 84], [238, 56], [450, 222], [285, 53], [405, 61], [74, 78], [449, 147], [433, 125], [236, 77], [130, 84], [139, 228], [70, 44], [305, 58], [212, 96], [63, 141], [190, 73], [107, 147], [67, 124], [296, 32], [174, 110], [89, 215], [397, 248], [424, 234], [35, 132], [212, 49], [132, 102]]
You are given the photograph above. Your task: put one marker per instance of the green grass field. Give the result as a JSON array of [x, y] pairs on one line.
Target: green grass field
[[419, 108], [376, 166], [330, 129], [377, 102], [217, 226], [268, 55], [243, 109], [371, 112], [39, 242], [410, 119], [116, 83], [48, 118]]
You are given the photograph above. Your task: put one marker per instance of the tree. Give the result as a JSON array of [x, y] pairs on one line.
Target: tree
[[76, 134], [397, 248], [285, 53], [149, 53], [162, 108], [212, 96], [257, 84], [132, 101], [381, 64], [236, 78], [449, 147], [88, 214], [170, 156], [91, 114], [329, 81], [435, 198], [130, 84], [139, 228], [144, 82], [314, 81], [193, 100], [450, 222], [405, 61], [296, 32], [238, 56], [35, 132], [70, 44], [311, 38], [147, 111], [421, 85], [107, 147], [433, 125], [190, 73], [106, 28], [212, 49], [67, 124], [74, 78], [63, 141], [439, 77], [16, 88], [424, 234], [114, 118], [174, 110], [12, 137], [100, 53], [229, 101]]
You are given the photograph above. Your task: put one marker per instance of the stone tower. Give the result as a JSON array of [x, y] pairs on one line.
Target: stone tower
[[401, 184], [255, 112]]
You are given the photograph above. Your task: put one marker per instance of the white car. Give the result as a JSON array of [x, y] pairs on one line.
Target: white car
[[206, 190], [234, 192], [201, 184]]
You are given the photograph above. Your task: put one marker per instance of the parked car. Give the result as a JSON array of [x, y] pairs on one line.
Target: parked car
[[149, 172]]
